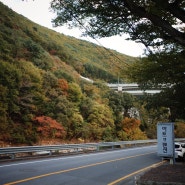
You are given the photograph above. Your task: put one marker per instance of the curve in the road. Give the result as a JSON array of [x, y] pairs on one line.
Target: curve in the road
[[80, 167], [136, 172]]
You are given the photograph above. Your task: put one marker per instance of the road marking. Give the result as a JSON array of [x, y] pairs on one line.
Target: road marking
[[136, 172], [63, 158], [72, 169]]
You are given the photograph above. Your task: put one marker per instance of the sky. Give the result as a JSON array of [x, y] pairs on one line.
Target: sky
[[39, 12]]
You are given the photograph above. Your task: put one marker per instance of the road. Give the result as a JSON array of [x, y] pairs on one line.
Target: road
[[85, 169]]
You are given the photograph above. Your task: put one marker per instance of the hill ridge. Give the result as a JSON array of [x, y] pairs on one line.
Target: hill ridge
[[43, 96]]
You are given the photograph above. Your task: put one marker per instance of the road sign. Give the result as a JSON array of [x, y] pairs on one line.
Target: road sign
[[165, 138]]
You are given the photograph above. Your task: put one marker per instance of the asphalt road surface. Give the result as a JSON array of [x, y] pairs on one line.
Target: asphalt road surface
[[112, 167]]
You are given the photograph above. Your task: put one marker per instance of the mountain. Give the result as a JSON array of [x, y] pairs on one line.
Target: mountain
[[21, 38], [44, 84]]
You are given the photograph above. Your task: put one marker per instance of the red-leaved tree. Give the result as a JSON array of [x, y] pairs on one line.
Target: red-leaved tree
[[49, 128], [63, 84], [131, 129]]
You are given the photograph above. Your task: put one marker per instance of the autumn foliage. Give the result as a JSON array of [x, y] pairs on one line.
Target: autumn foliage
[[49, 128], [43, 95], [63, 85], [132, 130], [179, 130]]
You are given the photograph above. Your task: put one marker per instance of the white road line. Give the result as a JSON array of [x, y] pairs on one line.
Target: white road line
[[72, 157]]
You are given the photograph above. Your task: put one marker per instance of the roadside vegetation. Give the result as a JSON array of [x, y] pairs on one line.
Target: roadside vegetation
[[44, 100]]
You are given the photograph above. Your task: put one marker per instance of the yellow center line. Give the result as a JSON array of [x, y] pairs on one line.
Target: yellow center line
[[72, 169], [136, 172]]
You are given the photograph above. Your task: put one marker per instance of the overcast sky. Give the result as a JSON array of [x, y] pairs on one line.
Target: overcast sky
[[38, 11]]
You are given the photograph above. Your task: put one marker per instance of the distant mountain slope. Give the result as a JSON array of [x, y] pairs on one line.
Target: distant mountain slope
[[21, 38], [46, 89]]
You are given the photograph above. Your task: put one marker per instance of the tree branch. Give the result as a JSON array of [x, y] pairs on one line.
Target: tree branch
[[175, 35], [173, 8]]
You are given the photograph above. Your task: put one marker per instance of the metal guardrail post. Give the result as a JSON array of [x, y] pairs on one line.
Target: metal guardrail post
[[12, 156], [12, 151]]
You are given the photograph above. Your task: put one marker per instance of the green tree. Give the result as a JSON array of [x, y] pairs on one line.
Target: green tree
[[4, 126], [75, 128], [30, 90], [159, 25], [74, 93], [49, 86], [33, 49], [99, 118], [10, 80], [145, 21], [166, 72], [85, 107], [120, 103]]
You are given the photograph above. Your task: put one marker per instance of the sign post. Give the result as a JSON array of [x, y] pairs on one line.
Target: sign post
[[165, 139]]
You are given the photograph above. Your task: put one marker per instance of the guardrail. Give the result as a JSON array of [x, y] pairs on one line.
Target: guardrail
[[17, 152]]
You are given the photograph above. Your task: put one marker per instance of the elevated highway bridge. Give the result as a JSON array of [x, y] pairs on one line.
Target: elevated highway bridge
[[132, 88]]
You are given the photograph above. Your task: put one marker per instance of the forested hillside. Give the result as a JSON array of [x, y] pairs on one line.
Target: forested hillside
[[42, 97]]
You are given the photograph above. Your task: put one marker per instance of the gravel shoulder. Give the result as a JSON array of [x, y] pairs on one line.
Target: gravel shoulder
[[166, 174]]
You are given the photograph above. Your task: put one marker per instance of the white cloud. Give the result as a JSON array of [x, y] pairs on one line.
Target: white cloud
[[38, 11]]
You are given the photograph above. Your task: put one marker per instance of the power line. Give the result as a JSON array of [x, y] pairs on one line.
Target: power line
[[92, 36]]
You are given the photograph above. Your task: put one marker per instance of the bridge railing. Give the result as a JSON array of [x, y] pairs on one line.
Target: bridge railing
[[133, 89], [30, 151]]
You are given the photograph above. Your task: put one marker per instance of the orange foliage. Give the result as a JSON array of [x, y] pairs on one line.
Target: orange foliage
[[63, 84], [130, 124], [180, 130], [49, 127], [132, 130], [53, 52]]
